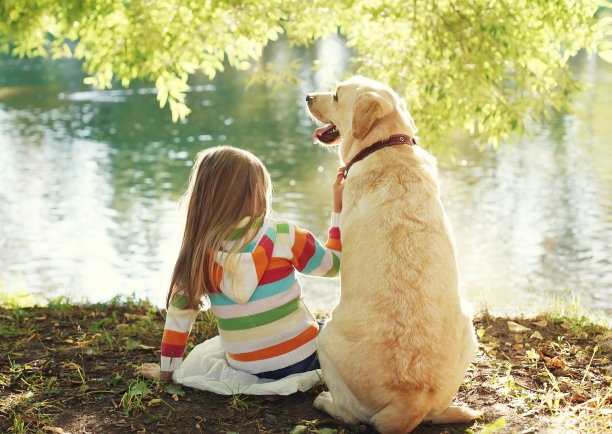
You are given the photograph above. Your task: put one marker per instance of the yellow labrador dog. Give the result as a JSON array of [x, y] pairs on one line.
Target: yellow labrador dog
[[399, 343]]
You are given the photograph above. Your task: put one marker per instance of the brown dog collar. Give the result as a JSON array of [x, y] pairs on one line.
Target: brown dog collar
[[397, 139]]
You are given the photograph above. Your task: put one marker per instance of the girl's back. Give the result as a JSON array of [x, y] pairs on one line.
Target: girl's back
[[244, 264]]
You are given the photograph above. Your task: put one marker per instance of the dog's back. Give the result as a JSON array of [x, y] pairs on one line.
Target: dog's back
[[399, 328]]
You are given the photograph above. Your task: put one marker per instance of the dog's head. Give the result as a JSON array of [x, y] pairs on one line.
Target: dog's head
[[357, 114]]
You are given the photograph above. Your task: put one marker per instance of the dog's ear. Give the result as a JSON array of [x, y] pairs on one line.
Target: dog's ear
[[369, 107]]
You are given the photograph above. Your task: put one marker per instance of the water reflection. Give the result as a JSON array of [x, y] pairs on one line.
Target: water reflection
[[89, 181], [537, 219]]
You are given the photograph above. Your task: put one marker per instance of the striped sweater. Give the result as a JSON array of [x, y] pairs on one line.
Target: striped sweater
[[263, 322]]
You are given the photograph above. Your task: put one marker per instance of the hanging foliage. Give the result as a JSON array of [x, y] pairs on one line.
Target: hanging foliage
[[476, 66]]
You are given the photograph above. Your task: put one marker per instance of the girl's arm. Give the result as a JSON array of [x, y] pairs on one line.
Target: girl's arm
[[337, 189], [313, 258], [176, 331], [309, 256]]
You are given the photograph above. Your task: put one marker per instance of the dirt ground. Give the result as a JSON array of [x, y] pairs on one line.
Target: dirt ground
[[69, 368]]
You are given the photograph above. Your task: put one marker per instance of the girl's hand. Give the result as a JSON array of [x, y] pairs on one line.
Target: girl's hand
[[337, 188], [148, 370]]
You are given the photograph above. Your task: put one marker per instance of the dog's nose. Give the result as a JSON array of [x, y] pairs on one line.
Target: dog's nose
[[308, 98]]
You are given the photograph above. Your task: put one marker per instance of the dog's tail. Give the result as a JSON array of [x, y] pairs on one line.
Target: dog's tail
[[398, 418], [403, 415], [453, 414]]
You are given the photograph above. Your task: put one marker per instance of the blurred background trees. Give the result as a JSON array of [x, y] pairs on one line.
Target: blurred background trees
[[475, 66]]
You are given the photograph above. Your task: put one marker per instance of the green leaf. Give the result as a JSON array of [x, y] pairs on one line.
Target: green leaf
[[99, 324], [174, 389], [67, 51], [494, 427], [606, 55], [139, 388], [131, 344]]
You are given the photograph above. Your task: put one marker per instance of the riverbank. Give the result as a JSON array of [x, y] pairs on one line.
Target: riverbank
[[69, 368]]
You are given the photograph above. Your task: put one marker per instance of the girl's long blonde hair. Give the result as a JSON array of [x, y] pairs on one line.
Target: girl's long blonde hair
[[226, 185]]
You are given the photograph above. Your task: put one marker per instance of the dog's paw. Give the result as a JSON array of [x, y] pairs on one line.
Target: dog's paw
[[323, 401]]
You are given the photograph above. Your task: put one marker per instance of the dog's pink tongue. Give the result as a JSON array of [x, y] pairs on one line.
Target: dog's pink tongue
[[319, 131]]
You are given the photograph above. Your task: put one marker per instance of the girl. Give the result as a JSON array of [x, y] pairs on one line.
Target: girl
[[244, 263]]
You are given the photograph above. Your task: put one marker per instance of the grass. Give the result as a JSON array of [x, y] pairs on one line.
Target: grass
[[57, 351], [16, 297], [573, 312], [565, 371], [71, 366]]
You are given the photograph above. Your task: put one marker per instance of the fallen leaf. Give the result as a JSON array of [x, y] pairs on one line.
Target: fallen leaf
[[565, 326], [133, 316], [590, 403], [577, 397], [516, 327], [541, 323], [556, 362], [154, 402], [546, 352], [175, 397], [53, 429], [490, 351], [272, 398], [536, 335]]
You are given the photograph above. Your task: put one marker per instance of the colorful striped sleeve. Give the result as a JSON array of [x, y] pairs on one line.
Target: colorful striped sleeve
[[176, 331], [313, 258]]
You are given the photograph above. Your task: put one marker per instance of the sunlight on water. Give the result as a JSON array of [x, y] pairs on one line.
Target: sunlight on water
[[89, 183]]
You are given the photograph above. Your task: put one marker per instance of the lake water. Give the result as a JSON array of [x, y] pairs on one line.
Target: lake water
[[89, 181]]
